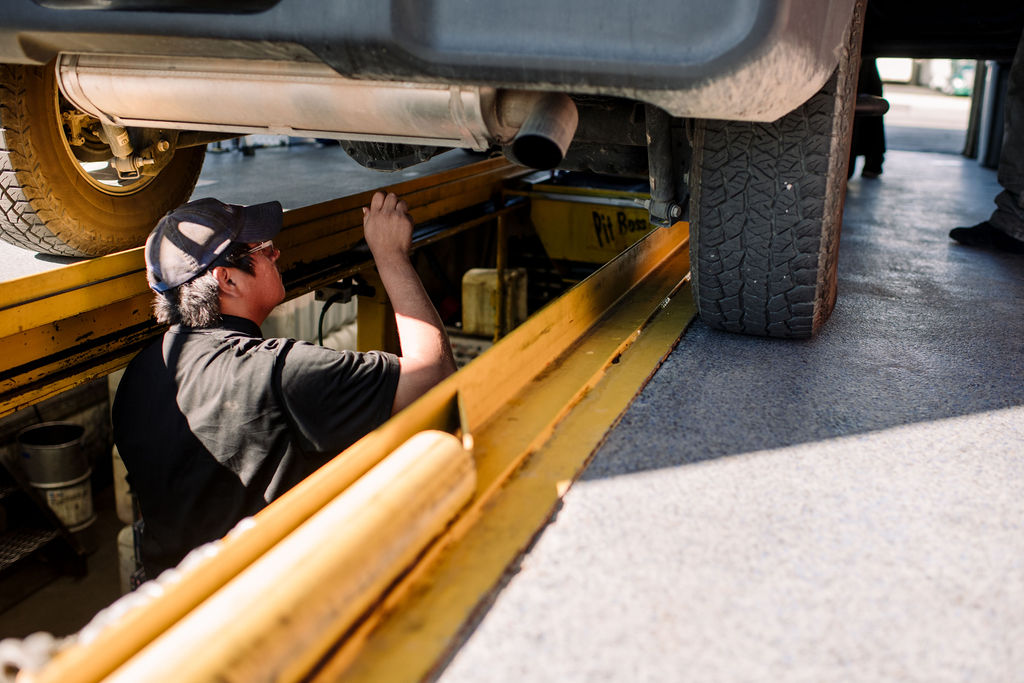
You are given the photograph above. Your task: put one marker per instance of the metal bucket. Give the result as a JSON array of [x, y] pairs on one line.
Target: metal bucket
[[54, 462]]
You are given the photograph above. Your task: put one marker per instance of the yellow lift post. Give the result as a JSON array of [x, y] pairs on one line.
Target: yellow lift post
[[369, 567]]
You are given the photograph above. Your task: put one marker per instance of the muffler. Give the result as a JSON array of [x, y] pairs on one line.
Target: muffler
[[309, 99]]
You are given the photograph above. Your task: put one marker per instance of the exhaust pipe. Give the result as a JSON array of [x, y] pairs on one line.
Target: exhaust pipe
[[543, 138], [309, 99]]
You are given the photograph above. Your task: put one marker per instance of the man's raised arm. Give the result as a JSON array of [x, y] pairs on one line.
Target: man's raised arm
[[426, 352]]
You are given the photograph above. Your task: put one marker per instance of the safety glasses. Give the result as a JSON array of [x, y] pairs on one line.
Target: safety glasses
[[267, 244]]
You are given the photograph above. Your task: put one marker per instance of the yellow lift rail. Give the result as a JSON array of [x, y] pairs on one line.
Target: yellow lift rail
[[530, 412], [67, 326], [529, 451]]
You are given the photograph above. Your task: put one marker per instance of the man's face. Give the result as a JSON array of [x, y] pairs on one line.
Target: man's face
[[264, 288]]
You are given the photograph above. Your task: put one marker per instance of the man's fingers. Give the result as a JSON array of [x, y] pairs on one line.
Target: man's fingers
[[386, 203], [390, 201]]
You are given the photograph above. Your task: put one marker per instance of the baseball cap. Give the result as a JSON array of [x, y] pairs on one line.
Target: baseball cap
[[189, 239]]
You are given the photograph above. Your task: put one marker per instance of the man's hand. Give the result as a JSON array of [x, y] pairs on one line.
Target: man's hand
[[387, 226], [426, 353]]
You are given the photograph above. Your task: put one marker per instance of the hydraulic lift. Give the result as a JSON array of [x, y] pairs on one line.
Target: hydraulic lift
[[372, 566]]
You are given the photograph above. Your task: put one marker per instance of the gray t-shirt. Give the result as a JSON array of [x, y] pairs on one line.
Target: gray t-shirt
[[215, 423]]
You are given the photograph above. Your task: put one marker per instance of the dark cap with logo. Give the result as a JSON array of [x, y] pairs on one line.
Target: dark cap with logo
[[190, 239]]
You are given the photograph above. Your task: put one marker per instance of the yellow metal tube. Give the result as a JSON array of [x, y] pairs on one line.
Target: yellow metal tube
[[301, 596], [93, 661]]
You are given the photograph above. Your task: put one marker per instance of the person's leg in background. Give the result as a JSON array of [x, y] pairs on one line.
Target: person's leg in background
[[1004, 230], [873, 128]]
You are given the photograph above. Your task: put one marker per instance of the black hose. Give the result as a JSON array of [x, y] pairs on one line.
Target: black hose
[[337, 296]]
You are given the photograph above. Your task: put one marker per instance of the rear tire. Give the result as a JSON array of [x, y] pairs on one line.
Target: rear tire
[[47, 202], [766, 209]]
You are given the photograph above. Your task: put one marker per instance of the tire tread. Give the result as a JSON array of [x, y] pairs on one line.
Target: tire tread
[[33, 213], [766, 212], [20, 223]]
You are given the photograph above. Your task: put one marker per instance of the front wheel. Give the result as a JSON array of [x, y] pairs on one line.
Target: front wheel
[[64, 200], [766, 203]]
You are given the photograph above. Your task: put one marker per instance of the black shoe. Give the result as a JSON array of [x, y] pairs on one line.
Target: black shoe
[[872, 166], [984, 236]]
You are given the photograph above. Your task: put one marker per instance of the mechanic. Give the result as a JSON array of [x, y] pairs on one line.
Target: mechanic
[[1004, 230], [213, 421]]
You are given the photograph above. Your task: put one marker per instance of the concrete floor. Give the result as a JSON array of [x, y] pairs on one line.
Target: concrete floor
[[843, 508], [846, 508], [67, 604]]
